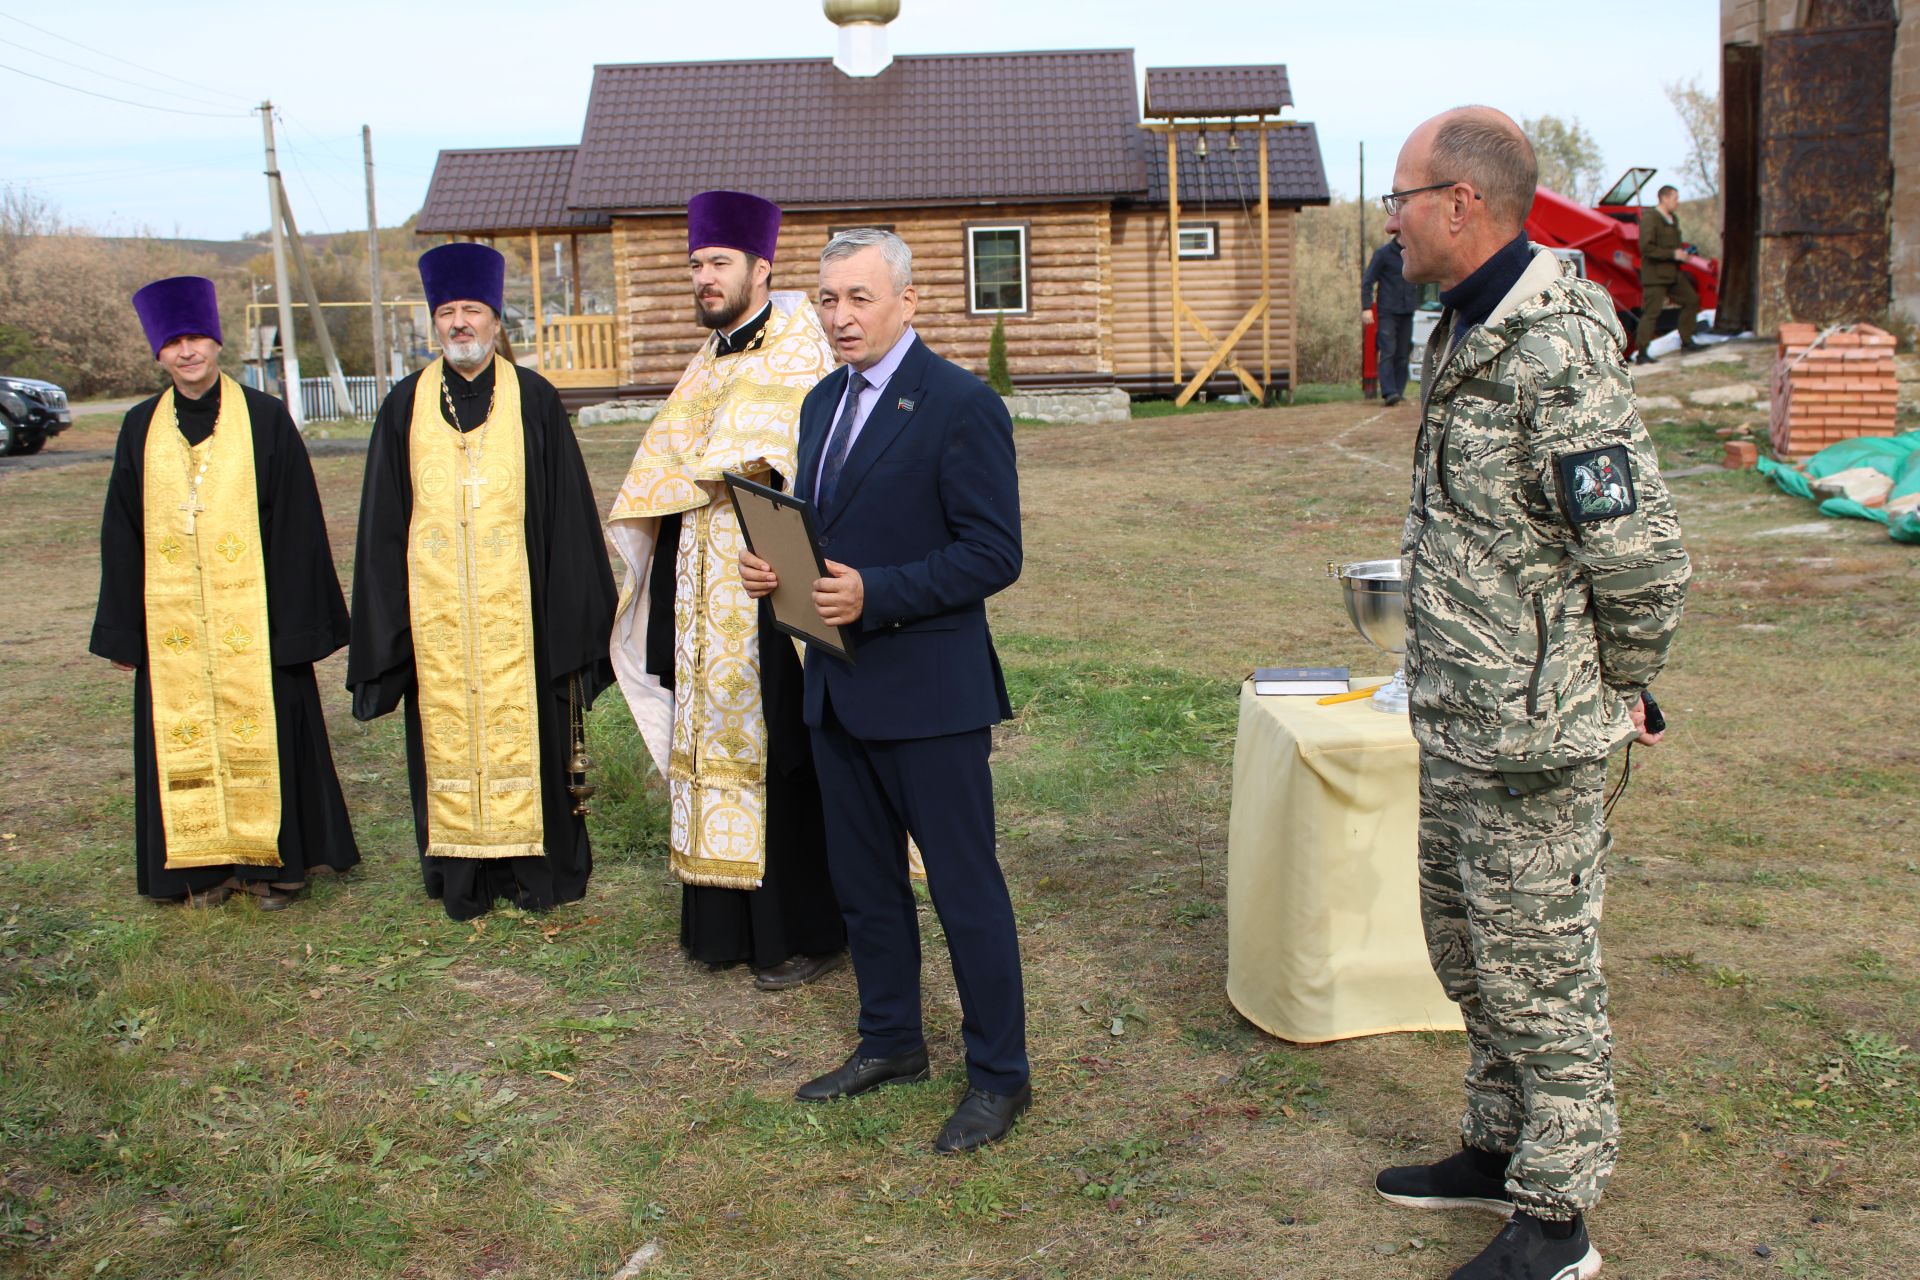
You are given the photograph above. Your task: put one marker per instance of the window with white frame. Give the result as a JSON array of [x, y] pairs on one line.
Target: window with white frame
[[997, 268], [1199, 239]]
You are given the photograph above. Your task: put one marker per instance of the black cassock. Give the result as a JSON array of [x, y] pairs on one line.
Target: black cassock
[[307, 618], [572, 622], [793, 912]]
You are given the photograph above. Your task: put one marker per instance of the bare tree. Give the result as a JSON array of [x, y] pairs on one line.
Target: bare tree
[[68, 313], [1569, 158], [1699, 112]]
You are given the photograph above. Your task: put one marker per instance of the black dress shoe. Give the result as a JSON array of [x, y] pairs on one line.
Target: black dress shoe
[[1392, 401], [1693, 346], [981, 1118], [797, 971], [857, 1075], [1641, 357]]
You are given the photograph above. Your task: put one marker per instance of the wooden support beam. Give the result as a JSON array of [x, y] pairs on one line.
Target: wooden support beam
[[577, 305], [539, 316], [1173, 240], [1223, 351], [1266, 271]]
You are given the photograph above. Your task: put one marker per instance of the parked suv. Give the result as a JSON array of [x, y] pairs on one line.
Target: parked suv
[[31, 413]]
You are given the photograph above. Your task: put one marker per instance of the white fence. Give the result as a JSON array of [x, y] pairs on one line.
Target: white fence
[[317, 399]]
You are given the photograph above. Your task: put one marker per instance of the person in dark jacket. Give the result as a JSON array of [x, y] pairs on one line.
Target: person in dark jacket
[[909, 462], [1663, 252], [1394, 310]]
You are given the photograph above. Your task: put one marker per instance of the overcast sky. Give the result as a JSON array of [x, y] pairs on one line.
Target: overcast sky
[[490, 73]]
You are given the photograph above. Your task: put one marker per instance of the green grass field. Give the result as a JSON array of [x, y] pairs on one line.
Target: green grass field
[[359, 1087]]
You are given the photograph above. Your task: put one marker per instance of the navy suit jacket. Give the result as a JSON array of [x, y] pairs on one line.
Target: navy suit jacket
[[927, 508]]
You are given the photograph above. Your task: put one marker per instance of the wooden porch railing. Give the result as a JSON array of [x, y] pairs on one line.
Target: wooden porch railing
[[577, 351]]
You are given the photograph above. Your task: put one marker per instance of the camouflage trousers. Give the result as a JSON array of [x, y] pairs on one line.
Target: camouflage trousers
[[1510, 892]]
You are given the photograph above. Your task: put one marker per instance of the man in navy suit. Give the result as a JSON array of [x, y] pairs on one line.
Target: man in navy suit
[[909, 462]]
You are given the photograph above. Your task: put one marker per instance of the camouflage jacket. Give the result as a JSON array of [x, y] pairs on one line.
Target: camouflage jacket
[[1545, 575]]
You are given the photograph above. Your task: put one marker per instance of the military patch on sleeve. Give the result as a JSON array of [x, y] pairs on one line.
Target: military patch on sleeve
[[1597, 484]]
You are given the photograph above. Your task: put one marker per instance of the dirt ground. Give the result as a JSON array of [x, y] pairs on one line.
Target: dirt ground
[[360, 1087]]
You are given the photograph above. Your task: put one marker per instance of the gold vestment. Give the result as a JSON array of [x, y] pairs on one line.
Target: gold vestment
[[470, 603], [708, 737], [209, 651]]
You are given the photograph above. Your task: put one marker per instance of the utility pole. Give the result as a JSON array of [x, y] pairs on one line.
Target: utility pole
[[289, 352], [343, 403], [1362, 202], [373, 268]]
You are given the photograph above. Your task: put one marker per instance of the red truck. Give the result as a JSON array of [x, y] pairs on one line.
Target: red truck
[[1606, 236]]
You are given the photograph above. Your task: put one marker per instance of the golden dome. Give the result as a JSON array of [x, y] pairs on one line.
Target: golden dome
[[841, 12]]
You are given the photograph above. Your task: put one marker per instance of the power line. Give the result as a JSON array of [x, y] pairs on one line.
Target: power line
[[301, 173], [129, 102], [81, 66], [225, 93]]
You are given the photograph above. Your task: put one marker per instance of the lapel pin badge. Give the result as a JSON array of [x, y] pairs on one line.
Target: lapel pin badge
[[906, 405]]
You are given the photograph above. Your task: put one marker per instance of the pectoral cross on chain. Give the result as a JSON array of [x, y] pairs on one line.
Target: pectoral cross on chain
[[473, 484], [193, 508]]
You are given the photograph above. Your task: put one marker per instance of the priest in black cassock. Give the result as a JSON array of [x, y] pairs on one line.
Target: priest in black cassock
[[715, 689], [218, 592], [482, 602]]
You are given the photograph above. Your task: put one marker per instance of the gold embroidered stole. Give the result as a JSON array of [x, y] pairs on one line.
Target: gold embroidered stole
[[708, 737], [470, 600], [209, 652]]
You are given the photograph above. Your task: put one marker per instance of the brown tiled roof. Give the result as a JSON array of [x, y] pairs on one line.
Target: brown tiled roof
[[959, 127], [1187, 92], [1295, 175], [504, 191]]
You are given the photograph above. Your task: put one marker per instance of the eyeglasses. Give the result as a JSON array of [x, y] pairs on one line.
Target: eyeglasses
[[1394, 201]]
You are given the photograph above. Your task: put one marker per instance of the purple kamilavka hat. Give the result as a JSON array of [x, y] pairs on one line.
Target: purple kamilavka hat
[[733, 220], [178, 307], [463, 272]]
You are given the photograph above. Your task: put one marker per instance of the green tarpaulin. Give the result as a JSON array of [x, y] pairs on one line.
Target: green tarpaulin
[[1894, 456]]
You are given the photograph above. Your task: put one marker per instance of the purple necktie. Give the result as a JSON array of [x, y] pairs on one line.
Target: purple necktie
[[840, 441]]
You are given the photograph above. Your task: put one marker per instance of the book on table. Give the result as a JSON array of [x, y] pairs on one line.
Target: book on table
[[1291, 681]]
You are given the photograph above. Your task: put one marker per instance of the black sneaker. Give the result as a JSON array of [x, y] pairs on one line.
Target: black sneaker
[[1524, 1251], [1464, 1180]]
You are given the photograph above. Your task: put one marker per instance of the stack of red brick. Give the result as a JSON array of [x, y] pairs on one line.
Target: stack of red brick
[[1831, 388]]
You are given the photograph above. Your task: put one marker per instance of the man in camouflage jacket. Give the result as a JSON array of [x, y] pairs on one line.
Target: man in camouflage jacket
[[1545, 579]]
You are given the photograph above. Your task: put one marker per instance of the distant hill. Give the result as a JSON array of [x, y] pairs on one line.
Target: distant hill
[[231, 253]]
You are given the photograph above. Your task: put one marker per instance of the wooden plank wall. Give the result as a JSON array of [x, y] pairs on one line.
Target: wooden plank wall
[[1219, 290], [1068, 329]]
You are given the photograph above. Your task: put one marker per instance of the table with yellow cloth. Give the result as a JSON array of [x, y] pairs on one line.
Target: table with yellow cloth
[[1323, 889]]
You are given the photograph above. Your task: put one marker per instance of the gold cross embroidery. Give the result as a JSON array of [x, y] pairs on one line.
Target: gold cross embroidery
[[238, 638], [178, 640], [496, 542], [186, 733], [231, 547], [435, 542], [170, 548], [246, 728]]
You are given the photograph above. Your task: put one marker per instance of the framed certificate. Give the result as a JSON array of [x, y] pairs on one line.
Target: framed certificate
[[779, 528]]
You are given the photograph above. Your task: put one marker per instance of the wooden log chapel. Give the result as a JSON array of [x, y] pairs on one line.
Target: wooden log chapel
[[1028, 185]]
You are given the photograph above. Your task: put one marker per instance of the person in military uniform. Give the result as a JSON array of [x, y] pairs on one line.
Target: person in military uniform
[[1662, 252], [1545, 579]]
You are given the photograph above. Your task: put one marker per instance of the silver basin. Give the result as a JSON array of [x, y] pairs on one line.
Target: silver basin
[[1376, 601]]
